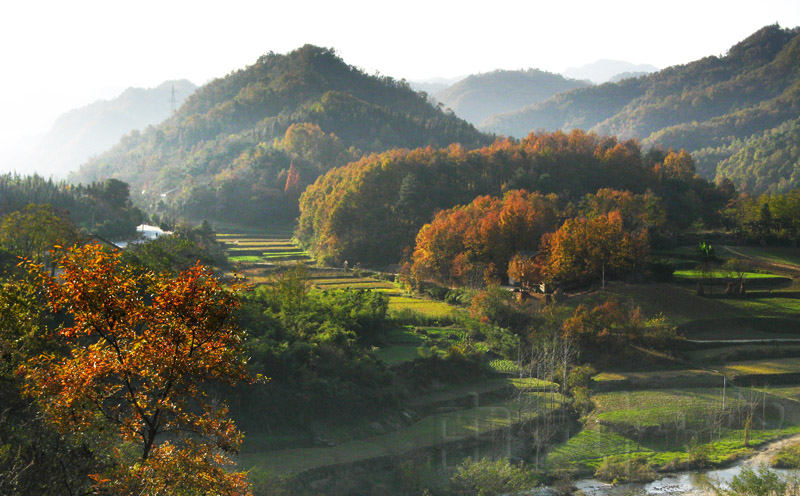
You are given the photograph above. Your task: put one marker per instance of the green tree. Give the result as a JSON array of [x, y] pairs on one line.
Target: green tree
[[35, 230]]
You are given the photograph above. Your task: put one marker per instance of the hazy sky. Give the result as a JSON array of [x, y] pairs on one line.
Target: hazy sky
[[59, 55]]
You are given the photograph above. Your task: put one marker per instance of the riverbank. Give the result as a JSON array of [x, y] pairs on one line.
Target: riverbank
[[690, 483]]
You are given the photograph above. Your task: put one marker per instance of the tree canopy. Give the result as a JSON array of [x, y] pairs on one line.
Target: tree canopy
[[140, 347]]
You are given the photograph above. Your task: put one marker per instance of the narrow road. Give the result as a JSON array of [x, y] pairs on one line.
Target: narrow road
[[790, 267], [764, 455]]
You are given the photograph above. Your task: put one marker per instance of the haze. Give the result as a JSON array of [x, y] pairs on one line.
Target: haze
[[61, 55]]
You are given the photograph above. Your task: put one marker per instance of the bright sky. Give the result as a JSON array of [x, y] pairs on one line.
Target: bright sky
[[57, 55]]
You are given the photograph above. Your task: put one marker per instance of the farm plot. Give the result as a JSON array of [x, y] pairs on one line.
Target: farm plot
[[670, 427], [405, 343]]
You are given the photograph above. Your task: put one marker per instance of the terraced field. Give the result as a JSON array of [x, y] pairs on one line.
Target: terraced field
[[432, 431], [259, 255]]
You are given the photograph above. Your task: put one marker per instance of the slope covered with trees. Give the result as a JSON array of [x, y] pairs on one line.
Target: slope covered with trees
[[242, 147], [712, 107], [482, 95], [371, 211]]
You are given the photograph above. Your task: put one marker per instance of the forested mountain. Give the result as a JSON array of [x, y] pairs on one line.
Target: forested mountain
[[711, 107], [94, 128], [605, 70], [243, 147], [482, 95]]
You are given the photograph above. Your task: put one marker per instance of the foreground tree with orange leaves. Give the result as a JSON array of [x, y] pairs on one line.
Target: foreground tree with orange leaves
[[140, 347]]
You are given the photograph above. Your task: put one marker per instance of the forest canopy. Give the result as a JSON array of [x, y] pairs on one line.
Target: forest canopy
[[370, 211]]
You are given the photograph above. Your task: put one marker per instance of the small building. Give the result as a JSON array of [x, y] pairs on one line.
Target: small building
[[144, 232]]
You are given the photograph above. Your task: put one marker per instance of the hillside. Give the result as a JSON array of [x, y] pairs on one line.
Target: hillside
[[482, 95], [244, 146], [710, 107], [80, 133]]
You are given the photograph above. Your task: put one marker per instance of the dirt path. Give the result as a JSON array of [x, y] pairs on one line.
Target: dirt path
[[792, 268], [764, 454]]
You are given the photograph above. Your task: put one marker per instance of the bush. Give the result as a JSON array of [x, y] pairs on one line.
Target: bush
[[488, 478], [625, 469], [660, 270], [763, 482]]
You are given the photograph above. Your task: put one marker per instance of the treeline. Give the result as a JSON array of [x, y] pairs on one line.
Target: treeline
[[766, 219], [228, 152], [371, 211], [102, 208]]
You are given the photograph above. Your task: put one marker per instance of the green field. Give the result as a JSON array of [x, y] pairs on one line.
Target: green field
[[429, 308], [669, 427]]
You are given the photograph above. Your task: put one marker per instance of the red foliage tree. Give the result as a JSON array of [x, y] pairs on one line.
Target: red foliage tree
[[473, 244], [140, 347], [583, 249]]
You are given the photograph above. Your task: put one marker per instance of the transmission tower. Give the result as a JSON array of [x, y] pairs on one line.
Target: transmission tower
[[173, 102]]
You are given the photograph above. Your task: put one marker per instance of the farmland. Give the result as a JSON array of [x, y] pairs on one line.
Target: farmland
[[690, 413]]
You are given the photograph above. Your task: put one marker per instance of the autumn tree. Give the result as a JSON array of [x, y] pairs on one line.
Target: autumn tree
[[141, 346], [584, 250], [473, 244]]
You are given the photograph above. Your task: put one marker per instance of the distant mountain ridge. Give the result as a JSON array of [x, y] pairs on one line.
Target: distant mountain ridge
[[711, 107], [83, 132], [244, 146], [480, 96], [605, 70]]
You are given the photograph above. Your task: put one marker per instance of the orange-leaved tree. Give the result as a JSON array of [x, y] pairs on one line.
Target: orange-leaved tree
[[582, 250], [140, 348]]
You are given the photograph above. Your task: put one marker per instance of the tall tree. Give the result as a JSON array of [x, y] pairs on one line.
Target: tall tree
[[141, 347]]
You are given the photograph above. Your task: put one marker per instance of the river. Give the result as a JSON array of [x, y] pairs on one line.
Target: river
[[688, 483]]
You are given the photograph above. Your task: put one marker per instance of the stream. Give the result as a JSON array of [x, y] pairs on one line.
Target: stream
[[694, 483]]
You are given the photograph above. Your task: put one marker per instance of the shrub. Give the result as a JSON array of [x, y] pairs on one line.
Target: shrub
[[624, 469], [488, 478], [763, 482]]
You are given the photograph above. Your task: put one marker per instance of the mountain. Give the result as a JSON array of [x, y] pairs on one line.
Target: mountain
[[243, 147], [432, 86], [712, 107], [482, 95], [81, 133], [605, 70]]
